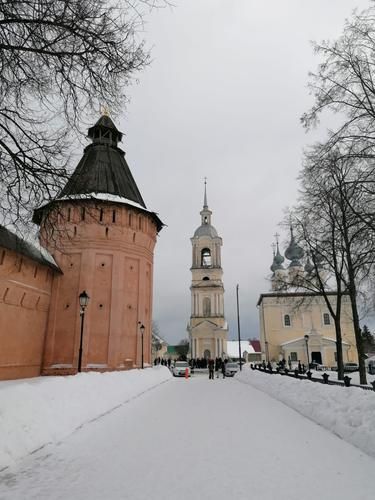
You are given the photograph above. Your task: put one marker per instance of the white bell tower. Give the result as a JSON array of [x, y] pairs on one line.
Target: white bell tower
[[207, 327]]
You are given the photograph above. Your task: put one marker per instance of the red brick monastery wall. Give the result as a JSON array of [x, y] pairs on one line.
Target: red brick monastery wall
[[25, 292]]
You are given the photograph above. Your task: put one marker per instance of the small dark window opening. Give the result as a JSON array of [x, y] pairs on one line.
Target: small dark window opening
[[2, 257], [35, 271], [20, 265], [69, 214], [101, 215], [206, 278], [83, 213], [287, 320], [114, 216], [106, 232], [140, 223], [326, 319], [293, 356], [206, 220], [133, 237], [75, 230], [130, 219]]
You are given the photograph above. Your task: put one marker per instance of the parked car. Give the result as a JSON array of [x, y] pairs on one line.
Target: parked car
[[317, 366], [180, 368], [351, 367], [231, 369]]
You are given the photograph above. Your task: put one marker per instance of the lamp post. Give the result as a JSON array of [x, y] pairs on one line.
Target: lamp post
[[267, 353], [83, 301], [307, 351], [142, 330], [238, 328]]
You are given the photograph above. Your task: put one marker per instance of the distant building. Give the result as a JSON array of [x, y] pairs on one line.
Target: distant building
[[207, 328], [248, 353], [96, 236], [296, 324]]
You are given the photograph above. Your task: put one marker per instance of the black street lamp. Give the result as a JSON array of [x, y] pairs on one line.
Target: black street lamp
[[83, 301], [307, 351], [267, 352], [239, 328], [142, 330]]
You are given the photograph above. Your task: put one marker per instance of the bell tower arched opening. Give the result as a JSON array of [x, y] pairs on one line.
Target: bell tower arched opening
[[206, 258]]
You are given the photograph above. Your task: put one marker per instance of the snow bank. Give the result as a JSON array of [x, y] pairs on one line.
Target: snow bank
[[35, 412], [346, 411]]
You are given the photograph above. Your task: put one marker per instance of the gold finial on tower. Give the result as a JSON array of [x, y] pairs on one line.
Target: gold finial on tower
[[104, 110]]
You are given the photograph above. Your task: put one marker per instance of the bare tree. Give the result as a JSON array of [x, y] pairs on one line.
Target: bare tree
[[60, 60], [344, 84], [331, 197]]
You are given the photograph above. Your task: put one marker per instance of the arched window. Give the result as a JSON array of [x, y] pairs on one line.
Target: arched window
[[287, 321], [206, 257], [206, 278], [206, 307]]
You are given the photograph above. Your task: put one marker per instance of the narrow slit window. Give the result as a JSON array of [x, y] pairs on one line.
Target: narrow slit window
[[114, 216], [101, 213], [2, 255], [83, 213]]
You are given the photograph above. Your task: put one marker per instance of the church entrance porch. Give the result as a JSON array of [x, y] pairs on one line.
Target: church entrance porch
[[207, 354]]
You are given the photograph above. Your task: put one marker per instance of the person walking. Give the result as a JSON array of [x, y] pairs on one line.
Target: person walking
[[223, 366], [211, 369]]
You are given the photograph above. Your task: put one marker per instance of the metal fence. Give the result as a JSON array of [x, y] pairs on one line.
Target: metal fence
[[309, 376]]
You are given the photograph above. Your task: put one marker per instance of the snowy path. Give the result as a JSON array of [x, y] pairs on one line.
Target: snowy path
[[196, 439]]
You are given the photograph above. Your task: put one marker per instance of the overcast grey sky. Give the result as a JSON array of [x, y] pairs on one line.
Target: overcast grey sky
[[222, 98]]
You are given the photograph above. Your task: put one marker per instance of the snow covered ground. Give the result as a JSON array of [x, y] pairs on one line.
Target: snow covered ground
[[38, 411], [348, 412], [197, 438]]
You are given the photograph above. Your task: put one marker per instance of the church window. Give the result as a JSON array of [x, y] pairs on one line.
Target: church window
[[326, 319], [2, 257], [130, 219], [293, 356], [140, 222], [206, 278], [206, 307], [206, 220], [101, 215], [83, 213], [206, 257], [69, 214], [114, 216], [287, 321]]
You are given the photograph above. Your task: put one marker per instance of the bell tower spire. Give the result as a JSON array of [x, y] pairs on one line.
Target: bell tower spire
[[206, 212]]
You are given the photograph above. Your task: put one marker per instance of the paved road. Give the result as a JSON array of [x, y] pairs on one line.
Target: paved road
[[196, 439]]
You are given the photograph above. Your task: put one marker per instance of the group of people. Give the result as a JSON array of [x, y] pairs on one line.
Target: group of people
[[216, 365], [163, 362]]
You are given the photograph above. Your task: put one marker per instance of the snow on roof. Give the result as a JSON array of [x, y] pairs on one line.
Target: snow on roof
[[232, 348], [114, 198]]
